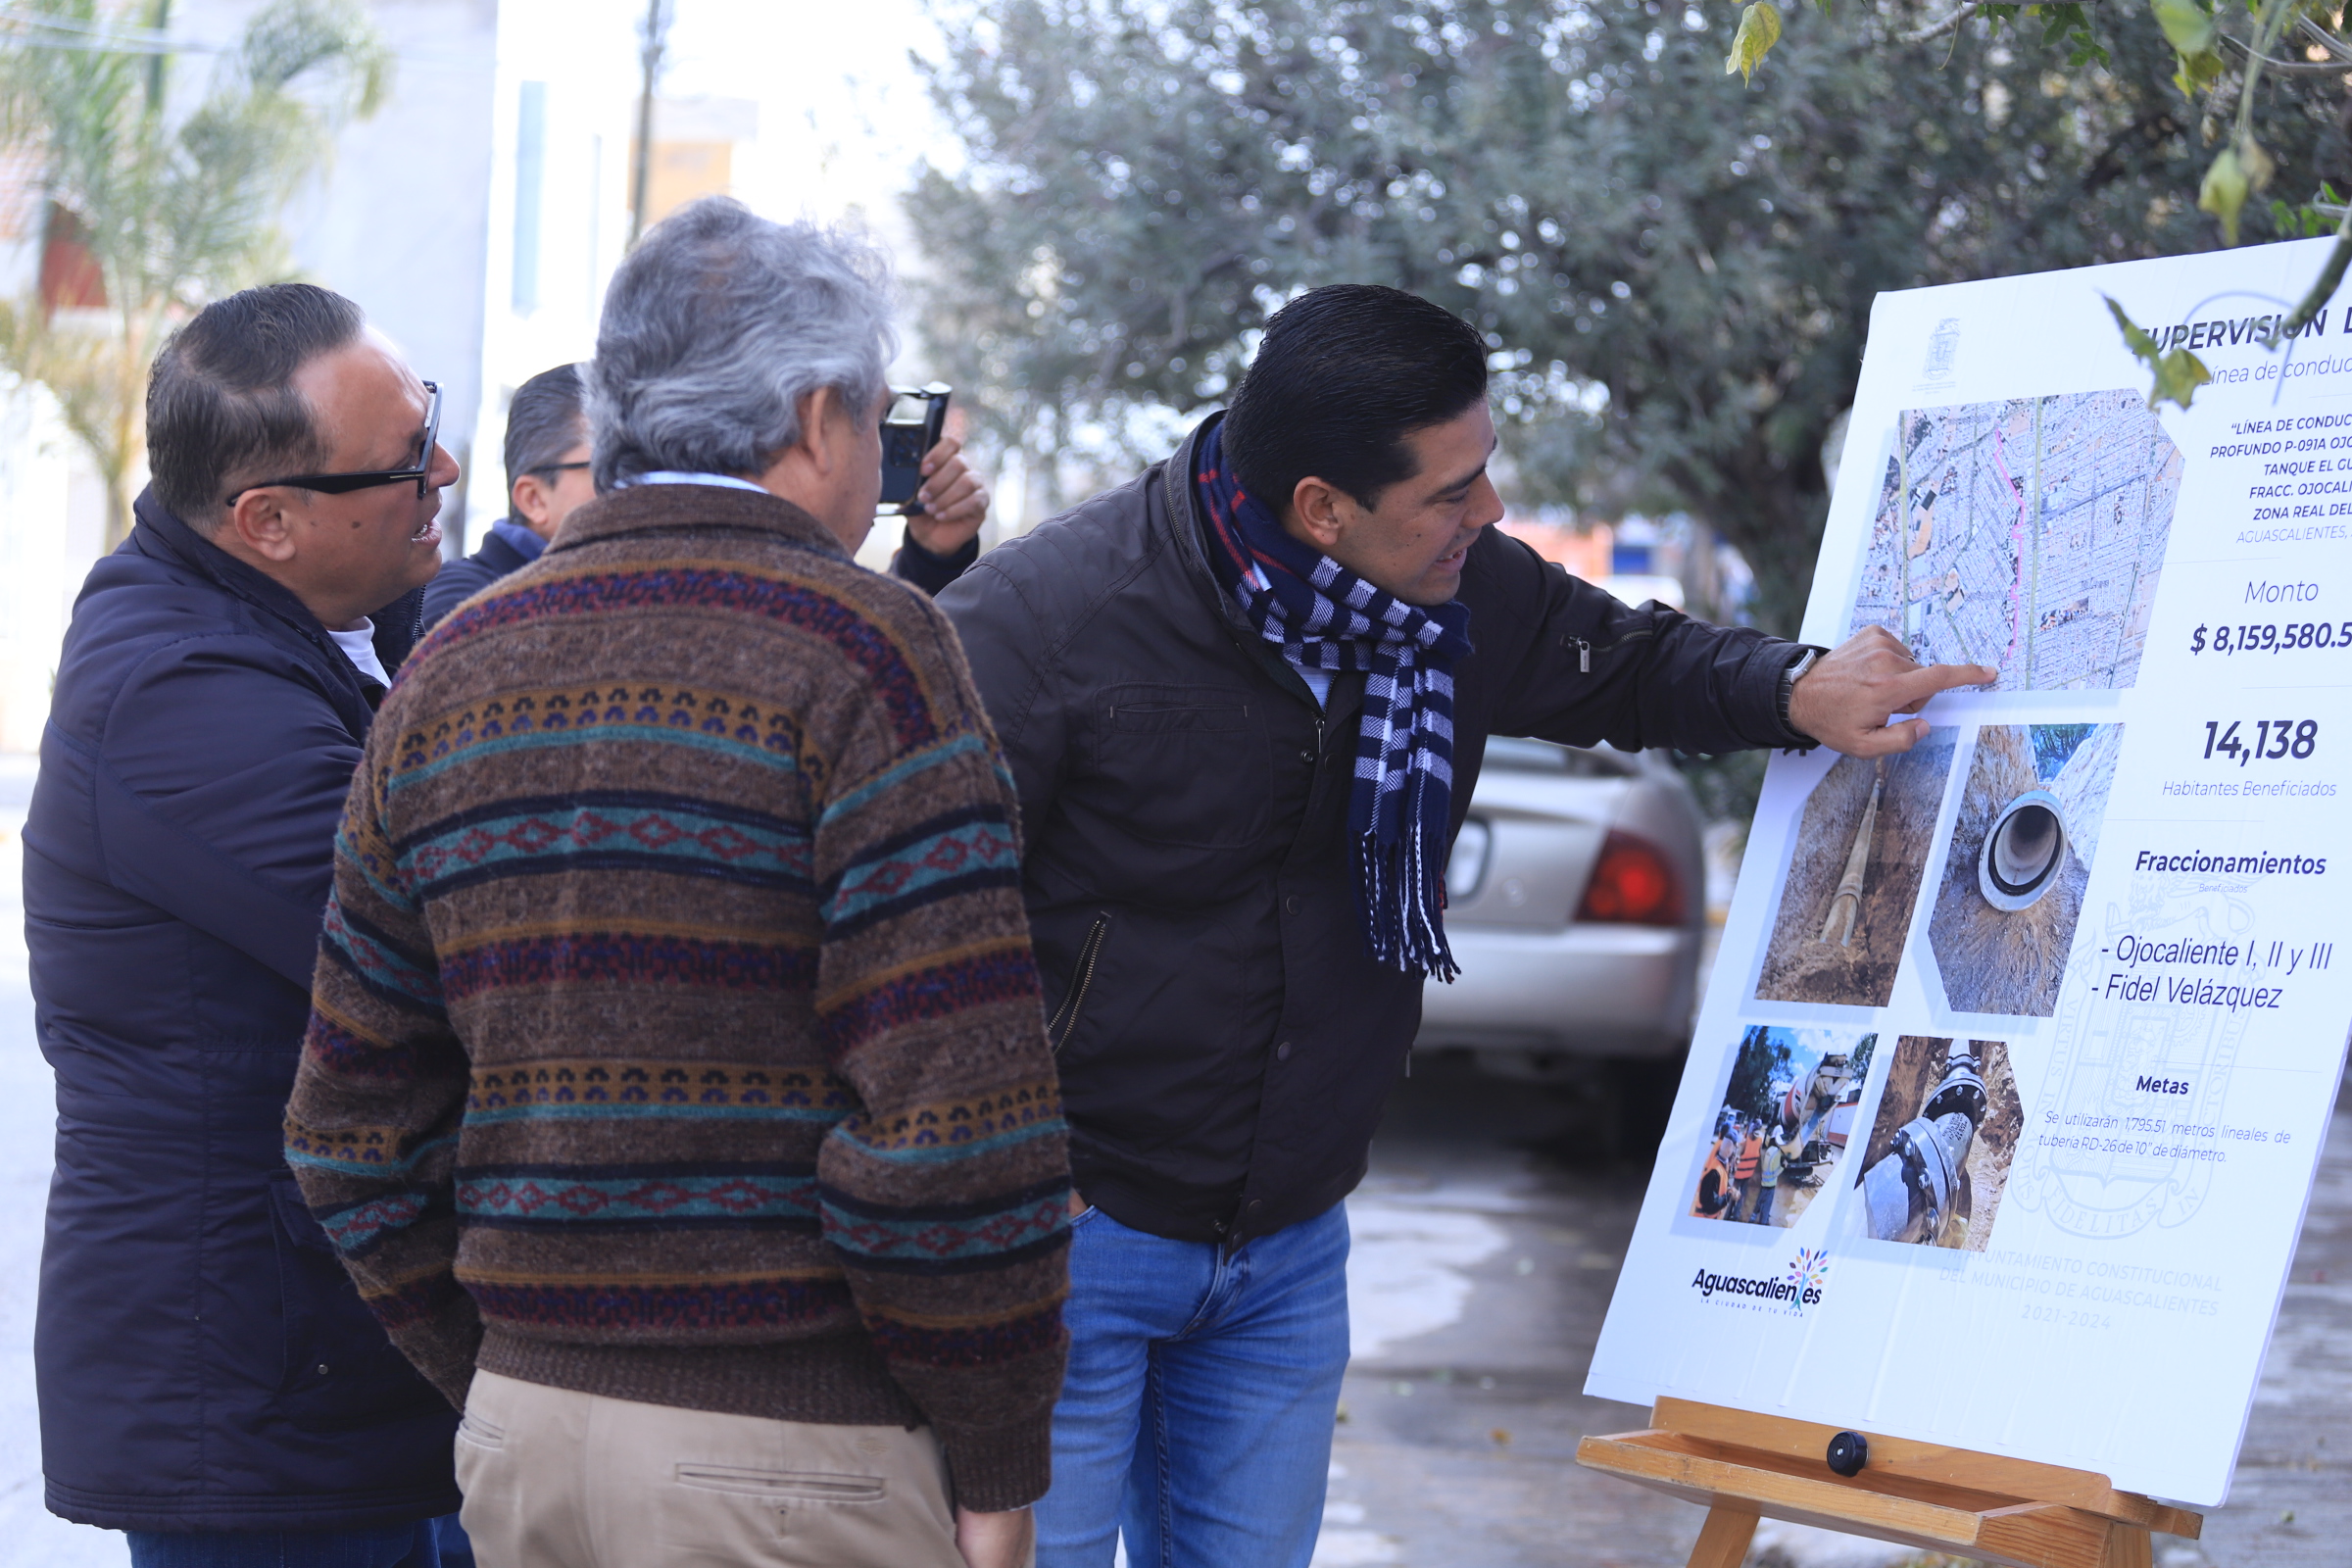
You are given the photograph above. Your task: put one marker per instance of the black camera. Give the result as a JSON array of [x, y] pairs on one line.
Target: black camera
[[910, 426]]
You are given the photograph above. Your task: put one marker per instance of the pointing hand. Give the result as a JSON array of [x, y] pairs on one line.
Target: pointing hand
[[1853, 698]]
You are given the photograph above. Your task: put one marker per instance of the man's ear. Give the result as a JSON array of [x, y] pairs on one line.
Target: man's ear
[[258, 521], [528, 495], [826, 434], [1322, 511]]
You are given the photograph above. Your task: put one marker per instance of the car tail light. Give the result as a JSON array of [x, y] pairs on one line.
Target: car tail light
[[1633, 884]]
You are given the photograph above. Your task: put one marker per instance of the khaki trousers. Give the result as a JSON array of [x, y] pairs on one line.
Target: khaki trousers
[[557, 1479]]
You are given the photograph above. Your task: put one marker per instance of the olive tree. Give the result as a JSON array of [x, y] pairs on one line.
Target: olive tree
[[1674, 272]]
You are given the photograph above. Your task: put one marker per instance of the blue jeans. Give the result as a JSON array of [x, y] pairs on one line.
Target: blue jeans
[[1197, 1414], [426, 1544], [1764, 1207]]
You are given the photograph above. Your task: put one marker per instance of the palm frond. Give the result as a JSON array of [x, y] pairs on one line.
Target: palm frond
[[173, 209]]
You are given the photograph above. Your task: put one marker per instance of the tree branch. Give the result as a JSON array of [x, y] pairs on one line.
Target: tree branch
[[2323, 37], [1947, 24], [2335, 66]]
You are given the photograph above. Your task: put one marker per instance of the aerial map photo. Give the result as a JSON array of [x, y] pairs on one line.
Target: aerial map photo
[[2026, 534]]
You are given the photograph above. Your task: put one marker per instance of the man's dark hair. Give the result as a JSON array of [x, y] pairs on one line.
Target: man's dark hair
[[546, 419], [220, 401], [1343, 375]]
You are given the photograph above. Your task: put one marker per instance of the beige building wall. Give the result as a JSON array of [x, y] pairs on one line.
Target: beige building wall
[[682, 171], [693, 150]]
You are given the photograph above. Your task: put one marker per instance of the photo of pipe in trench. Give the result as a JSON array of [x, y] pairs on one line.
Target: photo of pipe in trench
[[1852, 878], [2014, 877]]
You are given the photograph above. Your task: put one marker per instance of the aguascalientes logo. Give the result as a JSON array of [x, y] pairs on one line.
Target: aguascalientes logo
[[1799, 1288]]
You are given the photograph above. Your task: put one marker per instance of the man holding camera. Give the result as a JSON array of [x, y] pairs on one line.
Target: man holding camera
[[548, 463], [1245, 697]]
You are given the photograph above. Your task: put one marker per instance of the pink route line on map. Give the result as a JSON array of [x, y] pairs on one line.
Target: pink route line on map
[[2017, 537]]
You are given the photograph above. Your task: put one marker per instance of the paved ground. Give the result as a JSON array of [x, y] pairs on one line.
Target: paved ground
[[1458, 1447]]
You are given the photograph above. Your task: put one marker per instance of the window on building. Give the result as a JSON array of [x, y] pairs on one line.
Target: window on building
[[530, 177], [596, 223]]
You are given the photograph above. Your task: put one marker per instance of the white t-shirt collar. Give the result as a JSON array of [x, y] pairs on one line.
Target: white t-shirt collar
[[677, 476], [358, 646]]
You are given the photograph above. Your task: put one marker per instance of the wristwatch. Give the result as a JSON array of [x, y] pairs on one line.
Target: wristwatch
[[1788, 679]]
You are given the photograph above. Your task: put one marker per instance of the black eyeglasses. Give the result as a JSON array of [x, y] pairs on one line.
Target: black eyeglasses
[[559, 467], [335, 484]]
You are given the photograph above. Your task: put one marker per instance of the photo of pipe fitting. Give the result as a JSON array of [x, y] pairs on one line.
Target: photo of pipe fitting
[[2005, 913], [1938, 1160], [2022, 853], [1852, 877]]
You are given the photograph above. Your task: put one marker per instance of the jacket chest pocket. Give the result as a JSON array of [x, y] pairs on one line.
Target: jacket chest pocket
[[1182, 765]]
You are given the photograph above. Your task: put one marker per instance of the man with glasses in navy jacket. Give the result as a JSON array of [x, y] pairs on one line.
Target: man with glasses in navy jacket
[[210, 1381]]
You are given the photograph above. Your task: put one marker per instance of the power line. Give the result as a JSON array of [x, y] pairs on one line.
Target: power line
[[63, 33], [95, 38]]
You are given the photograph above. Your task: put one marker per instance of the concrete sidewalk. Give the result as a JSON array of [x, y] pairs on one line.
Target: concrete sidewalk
[[2290, 1503]]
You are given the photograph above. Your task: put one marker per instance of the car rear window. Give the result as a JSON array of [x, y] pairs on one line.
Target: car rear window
[[1542, 757]]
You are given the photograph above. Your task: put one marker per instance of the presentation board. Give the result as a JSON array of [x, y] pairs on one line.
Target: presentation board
[[2019, 1050]]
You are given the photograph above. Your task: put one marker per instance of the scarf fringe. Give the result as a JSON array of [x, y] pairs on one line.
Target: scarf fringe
[[1401, 885]]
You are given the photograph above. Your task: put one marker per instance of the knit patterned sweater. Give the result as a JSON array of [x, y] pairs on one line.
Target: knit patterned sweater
[[675, 1033]]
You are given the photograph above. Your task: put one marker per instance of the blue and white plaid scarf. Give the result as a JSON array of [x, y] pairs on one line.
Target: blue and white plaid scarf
[[1324, 617]]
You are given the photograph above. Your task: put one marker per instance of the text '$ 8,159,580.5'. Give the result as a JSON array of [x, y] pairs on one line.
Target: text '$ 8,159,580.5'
[[2272, 637]]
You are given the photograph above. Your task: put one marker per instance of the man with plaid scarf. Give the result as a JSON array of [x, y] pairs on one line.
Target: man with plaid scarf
[[1245, 697]]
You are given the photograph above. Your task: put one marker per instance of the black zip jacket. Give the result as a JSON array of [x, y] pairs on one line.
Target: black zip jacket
[[1225, 1038], [460, 579]]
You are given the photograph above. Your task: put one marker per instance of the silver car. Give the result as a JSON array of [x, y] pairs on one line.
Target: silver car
[[1576, 905]]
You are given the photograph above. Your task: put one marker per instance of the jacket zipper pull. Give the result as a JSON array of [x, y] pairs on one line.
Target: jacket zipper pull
[[1584, 657], [1318, 740]]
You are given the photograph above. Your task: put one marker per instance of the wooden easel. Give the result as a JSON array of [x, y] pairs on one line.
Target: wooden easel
[[1746, 1467]]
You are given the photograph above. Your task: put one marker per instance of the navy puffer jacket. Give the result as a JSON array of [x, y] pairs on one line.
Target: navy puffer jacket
[[204, 1362]]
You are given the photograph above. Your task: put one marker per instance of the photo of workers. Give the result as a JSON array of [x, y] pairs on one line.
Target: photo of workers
[[1780, 1128], [1938, 1160], [2020, 861], [1854, 868]]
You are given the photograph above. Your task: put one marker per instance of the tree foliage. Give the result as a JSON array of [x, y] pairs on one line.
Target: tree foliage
[[173, 205], [1675, 274], [1764, 1059]]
